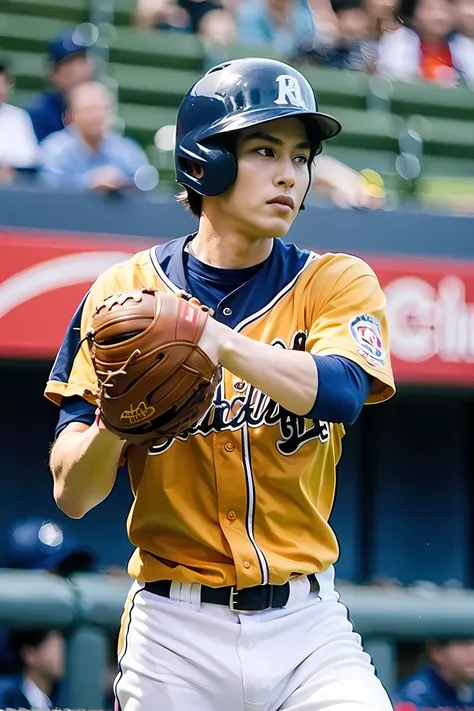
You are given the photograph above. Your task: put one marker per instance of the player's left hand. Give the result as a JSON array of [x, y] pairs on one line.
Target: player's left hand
[[99, 422], [155, 381]]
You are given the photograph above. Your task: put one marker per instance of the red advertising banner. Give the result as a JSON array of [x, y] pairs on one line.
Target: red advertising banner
[[430, 305], [430, 302], [43, 280]]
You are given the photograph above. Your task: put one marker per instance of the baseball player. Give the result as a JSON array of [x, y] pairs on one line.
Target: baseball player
[[233, 604]]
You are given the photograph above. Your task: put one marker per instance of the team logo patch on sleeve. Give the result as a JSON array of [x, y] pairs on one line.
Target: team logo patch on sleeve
[[365, 330]]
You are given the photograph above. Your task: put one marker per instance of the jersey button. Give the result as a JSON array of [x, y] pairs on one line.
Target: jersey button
[[246, 564], [231, 516], [229, 447], [227, 311]]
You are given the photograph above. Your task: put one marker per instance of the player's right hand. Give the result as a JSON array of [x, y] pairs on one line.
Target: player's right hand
[[192, 300]]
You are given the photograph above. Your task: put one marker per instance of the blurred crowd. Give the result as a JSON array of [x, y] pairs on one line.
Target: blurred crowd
[[32, 660], [66, 136], [432, 40]]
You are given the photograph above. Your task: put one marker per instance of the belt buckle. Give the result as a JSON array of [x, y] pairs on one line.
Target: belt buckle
[[233, 600], [235, 593]]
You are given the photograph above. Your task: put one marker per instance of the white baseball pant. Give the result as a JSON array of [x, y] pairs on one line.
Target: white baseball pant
[[183, 655]]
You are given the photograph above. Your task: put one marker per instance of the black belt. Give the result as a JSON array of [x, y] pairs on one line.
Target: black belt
[[256, 599]]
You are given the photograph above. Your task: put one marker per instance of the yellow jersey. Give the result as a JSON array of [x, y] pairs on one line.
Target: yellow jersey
[[244, 497]]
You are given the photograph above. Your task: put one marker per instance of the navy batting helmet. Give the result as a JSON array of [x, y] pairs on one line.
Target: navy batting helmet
[[236, 95]]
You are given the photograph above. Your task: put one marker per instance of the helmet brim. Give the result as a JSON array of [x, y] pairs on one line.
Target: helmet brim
[[322, 126]]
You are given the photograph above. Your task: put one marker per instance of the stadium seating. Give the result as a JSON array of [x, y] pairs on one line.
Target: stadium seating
[[151, 70]]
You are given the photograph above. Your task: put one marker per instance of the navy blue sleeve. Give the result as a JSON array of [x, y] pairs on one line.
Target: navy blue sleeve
[[343, 387], [40, 122], [74, 409]]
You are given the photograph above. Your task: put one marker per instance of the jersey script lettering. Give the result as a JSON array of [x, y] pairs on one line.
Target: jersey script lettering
[[256, 409]]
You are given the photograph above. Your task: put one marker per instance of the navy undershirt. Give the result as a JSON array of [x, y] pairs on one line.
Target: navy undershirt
[[343, 386], [211, 284]]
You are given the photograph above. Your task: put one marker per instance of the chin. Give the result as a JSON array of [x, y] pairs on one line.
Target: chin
[[274, 228], [282, 229]]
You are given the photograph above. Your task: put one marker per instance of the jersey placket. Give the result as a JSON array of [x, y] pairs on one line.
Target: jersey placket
[[236, 506]]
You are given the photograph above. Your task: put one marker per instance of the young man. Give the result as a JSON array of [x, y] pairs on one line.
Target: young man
[[40, 658], [444, 683], [234, 604]]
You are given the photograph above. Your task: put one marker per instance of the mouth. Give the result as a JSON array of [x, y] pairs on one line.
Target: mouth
[[283, 202]]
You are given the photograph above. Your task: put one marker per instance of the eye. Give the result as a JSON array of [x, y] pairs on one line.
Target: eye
[[302, 160], [266, 152]]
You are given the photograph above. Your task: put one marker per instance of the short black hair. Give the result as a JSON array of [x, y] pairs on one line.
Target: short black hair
[[18, 639], [191, 200], [341, 5]]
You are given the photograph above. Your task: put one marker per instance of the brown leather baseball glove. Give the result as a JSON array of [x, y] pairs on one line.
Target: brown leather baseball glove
[[154, 380]]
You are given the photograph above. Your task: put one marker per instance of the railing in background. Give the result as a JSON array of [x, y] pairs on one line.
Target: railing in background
[[101, 19], [88, 607]]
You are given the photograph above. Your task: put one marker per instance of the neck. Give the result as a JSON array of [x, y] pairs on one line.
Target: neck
[[280, 16], [41, 682], [92, 142], [227, 249], [428, 38]]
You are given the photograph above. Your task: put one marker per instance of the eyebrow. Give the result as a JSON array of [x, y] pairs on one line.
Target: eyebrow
[[273, 139]]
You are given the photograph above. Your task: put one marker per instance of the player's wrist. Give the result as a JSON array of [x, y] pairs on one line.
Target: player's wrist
[[213, 339], [228, 347], [100, 430]]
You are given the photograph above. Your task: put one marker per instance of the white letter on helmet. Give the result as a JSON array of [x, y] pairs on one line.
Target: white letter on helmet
[[289, 91]]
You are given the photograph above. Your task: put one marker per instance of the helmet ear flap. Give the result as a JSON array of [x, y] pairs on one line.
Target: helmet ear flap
[[216, 163]]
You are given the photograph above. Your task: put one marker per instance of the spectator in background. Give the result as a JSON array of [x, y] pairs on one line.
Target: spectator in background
[[210, 19], [18, 146], [354, 46], [384, 16], [287, 25], [345, 186], [463, 41], [69, 66], [40, 659], [428, 49], [87, 154], [464, 20], [446, 682], [38, 544]]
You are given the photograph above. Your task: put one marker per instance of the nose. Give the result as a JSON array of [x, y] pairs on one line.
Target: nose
[[285, 176]]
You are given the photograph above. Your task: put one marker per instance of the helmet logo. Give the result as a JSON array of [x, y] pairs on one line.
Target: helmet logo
[[289, 91]]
